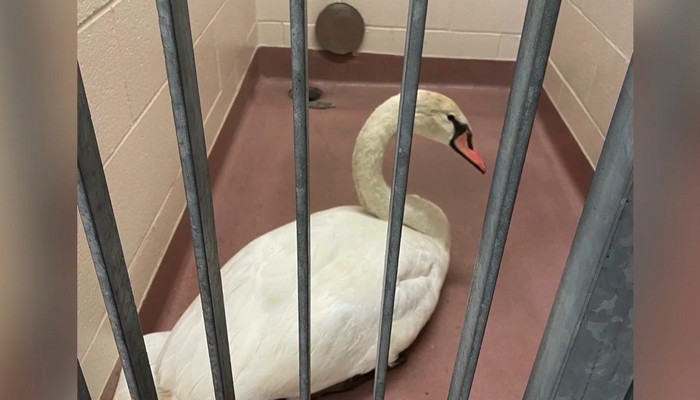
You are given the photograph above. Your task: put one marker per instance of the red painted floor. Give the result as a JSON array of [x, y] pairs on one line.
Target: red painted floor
[[254, 193]]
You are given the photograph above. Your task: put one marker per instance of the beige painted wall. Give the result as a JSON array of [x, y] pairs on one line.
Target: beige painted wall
[[591, 50], [478, 29], [121, 57]]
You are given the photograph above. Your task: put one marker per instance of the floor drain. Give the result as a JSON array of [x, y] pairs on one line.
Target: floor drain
[[314, 98]]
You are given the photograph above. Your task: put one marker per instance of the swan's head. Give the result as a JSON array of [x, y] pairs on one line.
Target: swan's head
[[439, 118]]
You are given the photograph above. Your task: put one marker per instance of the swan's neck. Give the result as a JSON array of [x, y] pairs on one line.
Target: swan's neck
[[374, 193]]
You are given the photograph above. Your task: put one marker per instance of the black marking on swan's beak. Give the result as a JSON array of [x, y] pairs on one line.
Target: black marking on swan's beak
[[468, 153]]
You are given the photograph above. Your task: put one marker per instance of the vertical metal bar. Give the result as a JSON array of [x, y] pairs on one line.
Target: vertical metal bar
[[176, 36], [630, 392], [83, 392], [586, 350], [96, 212], [407, 109], [300, 98], [538, 31], [597, 356]]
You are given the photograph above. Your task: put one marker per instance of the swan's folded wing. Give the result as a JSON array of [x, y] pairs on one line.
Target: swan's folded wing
[[260, 293]]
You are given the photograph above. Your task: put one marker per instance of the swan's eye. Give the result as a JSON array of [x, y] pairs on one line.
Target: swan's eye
[[451, 117]]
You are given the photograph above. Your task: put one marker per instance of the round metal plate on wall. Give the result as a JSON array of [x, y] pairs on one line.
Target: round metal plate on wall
[[340, 29]]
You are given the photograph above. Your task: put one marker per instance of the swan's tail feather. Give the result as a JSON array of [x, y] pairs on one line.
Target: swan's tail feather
[[154, 344]]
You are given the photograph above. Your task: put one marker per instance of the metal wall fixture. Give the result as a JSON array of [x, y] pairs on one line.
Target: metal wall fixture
[[553, 373]]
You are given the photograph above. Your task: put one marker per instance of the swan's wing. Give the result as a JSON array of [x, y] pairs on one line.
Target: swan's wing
[[258, 284], [260, 291], [154, 344]]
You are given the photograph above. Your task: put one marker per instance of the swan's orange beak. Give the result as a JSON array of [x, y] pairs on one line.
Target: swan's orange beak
[[462, 146]]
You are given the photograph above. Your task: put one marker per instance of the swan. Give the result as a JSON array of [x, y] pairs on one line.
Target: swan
[[347, 267]]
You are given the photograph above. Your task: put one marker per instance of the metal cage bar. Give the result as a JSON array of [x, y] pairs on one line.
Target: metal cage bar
[[533, 53], [630, 392], [300, 99], [407, 110], [102, 235], [598, 269], [83, 392], [180, 66]]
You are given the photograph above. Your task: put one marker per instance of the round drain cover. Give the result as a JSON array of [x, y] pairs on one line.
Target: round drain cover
[[340, 28], [314, 93]]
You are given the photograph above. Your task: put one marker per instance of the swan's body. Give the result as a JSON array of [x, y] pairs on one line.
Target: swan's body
[[347, 267], [346, 284], [154, 345]]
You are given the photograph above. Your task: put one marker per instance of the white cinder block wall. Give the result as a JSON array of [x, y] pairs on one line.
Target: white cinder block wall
[[591, 50], [120, 54], [121, 57], [479, 29]]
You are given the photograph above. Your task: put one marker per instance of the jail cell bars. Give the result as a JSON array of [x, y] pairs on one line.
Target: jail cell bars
[[100, 227], [98, 218], [180, 67], [599, 268], [83, 392], [407, 109], [531, 63], [300, 105]]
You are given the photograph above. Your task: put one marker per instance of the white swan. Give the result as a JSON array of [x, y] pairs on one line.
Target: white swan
[[347, 264]]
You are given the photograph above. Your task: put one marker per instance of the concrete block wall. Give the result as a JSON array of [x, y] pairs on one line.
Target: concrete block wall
[[121, 57], [591, 50], [478, 29]]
